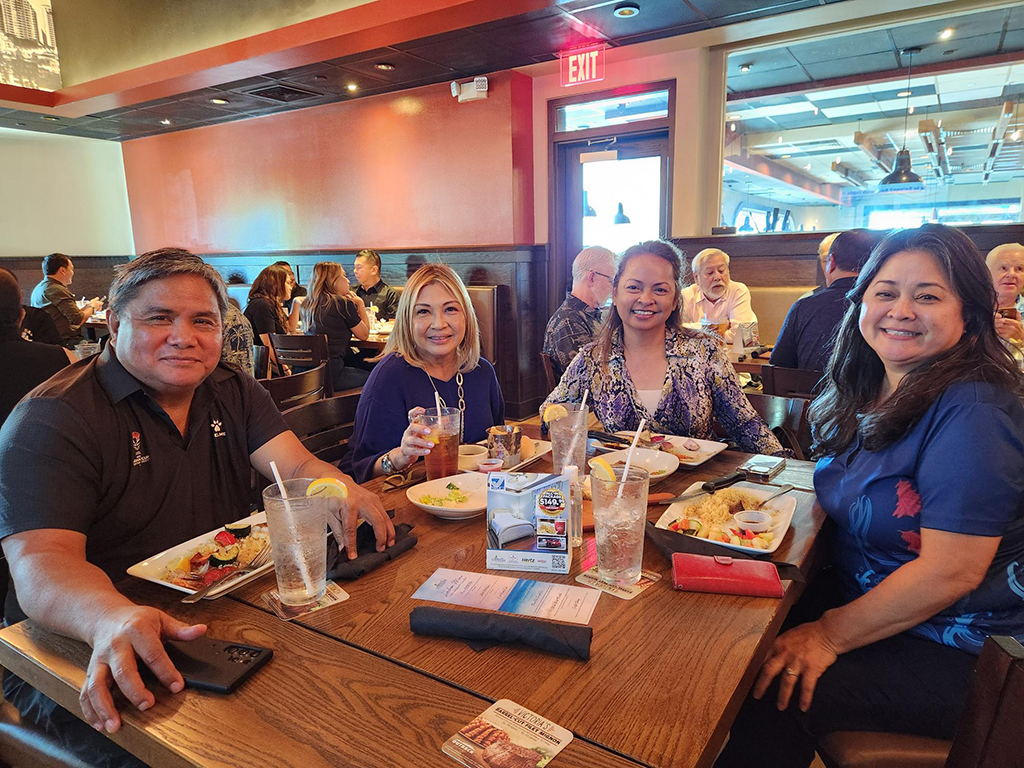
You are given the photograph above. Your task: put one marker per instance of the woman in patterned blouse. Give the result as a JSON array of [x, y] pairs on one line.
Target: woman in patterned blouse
[[644, 364]]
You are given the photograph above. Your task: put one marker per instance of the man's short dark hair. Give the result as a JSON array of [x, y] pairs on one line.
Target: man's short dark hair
[[157, 265], [283, 264], [10, 305], [851, 249], [54, 262], [371, 256]]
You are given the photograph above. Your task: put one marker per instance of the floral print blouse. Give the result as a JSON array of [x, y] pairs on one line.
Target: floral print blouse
[[700, 382]]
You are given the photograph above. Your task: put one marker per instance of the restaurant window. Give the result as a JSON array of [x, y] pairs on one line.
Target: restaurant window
[[821, 153], [614, 111]]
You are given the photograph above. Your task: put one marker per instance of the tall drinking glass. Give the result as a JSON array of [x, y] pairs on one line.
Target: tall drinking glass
[[445, 428], [570, 431], [619, 524], [298, 540]]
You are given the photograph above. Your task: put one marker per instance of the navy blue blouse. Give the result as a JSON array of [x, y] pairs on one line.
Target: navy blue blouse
[[960, 469], [394, 388]]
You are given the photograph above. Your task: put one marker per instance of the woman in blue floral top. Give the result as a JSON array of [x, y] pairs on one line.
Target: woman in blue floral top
[[644, 364], [921, 432]]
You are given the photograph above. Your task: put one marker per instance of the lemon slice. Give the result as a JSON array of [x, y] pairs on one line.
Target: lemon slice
[[554, 412], [181, 564], [329, 487], [601, 469]]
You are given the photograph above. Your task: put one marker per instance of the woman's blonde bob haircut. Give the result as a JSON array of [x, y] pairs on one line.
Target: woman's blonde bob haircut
[[402, 342]]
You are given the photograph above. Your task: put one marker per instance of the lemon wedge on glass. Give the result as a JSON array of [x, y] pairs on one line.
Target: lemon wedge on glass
[[602, 470], [554, 412], [329, 487]]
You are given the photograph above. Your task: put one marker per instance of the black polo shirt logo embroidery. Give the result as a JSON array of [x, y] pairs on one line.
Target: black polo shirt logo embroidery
[[137, 447], [218, 430]]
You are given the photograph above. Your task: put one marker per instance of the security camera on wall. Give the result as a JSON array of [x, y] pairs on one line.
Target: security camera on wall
[[472, 91]]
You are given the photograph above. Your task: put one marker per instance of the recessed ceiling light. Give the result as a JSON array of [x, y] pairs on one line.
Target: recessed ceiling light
[[732, 127], [1015, 136], [839, 159], [904, 94], [807, 167], [786, 157], [910, 109], [19, 124], [51, 119], [626, 10], [735, 117], [319, 77], [165, 121], [384, 66], [218, 101], [780, 139], [352, 87], [815, 110], [946, 33], [745, 67]]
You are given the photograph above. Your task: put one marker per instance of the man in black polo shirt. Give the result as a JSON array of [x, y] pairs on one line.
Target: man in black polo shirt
[[805, 340], [371, 289], [147, 445]]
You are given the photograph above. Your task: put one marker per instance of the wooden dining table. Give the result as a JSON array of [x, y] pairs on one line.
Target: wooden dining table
[[352, 685]]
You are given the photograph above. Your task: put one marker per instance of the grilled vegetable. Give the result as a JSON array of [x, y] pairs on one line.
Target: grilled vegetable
[[239, 530], [224, 556], [225, 538]]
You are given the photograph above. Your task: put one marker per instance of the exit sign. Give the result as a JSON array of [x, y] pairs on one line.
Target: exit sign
[[582, 65]]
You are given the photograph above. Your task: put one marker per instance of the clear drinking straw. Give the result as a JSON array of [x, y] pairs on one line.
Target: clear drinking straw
[[629, 456], [576, 434], [306, 578]]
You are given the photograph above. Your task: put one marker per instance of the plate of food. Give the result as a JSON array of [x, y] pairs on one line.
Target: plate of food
[[710, 517], [457, 497], [659, 464], [211, 557], [690, 451]]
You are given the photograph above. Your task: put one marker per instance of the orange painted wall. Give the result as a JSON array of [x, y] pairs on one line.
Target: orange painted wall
[[404, 170]]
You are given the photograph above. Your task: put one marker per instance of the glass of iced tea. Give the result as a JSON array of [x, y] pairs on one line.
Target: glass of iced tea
[[445, 428]]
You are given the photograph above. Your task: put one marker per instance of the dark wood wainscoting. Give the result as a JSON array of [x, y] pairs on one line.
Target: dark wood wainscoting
[[791, 258]]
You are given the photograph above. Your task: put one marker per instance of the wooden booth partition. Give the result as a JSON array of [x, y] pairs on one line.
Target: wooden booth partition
[[519, 272]]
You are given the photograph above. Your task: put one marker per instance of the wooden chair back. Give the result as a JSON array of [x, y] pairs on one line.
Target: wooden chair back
[[297, 389], [786, 417], [790, 382], [325, 426], [549, 372], [304, 352], [260, 361], [991, 732]]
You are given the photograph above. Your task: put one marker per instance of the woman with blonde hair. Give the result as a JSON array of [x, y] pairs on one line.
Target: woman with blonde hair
[[433, 349], [332, 310]]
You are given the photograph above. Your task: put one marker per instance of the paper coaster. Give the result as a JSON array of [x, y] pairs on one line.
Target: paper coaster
[[590, 579], [507, 734], [334, 594]]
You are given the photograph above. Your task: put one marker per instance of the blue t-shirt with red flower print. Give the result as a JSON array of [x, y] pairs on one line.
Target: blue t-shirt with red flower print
[[959, 469]]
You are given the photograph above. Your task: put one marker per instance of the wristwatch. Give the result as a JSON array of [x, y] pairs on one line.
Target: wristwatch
[[387, 465]]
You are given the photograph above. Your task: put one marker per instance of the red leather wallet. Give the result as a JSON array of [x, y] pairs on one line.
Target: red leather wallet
[[725, 575]]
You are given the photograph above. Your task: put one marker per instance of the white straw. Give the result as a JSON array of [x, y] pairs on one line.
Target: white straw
[[576, 434], [292, 532], [437, 402], [629, 456]]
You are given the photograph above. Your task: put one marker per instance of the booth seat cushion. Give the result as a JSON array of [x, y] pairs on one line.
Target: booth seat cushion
[[770, 304], [855, 749]]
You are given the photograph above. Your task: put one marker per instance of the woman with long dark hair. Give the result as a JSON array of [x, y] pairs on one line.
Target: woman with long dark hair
[[920, 431], [645, 364], [333, 310], [265, 308]]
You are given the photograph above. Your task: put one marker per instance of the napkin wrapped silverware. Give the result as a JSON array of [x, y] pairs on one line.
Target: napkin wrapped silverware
[[669, 542], [483, 630], [340, 567]]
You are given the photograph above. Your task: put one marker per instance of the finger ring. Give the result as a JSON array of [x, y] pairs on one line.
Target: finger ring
[[791, 672]]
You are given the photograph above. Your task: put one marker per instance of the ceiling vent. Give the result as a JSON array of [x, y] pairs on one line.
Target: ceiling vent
[[285, 94]]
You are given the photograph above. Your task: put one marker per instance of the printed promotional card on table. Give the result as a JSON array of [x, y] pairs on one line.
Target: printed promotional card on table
[[507, 735]]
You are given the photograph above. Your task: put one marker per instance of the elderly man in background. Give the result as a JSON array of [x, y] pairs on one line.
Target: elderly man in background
[[53, 296], [180, 434], [576, 321], [1006, 263], [715, 296], [805, 340]]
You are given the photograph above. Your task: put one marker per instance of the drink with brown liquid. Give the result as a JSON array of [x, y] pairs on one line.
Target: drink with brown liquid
[[445, 428]]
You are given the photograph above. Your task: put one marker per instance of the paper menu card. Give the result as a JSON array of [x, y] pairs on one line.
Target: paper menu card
[[524, 597], [507, 734]]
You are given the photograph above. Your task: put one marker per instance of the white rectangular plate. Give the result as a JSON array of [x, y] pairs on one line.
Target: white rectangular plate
[[708, 448], [152, 569], [784, 507]]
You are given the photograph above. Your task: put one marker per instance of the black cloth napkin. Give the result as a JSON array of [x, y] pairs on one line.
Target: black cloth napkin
[[340, 567], [669, 542], [484, 630]]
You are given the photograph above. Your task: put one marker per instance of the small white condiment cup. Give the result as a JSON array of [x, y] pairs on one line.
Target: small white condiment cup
[[753, 520], [470, 456]]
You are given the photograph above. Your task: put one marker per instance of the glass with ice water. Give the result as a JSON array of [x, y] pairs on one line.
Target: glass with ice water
[[619, 524], [563, 431], [298, 540]]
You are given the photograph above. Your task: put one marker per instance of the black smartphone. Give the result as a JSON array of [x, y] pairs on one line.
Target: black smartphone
[[216, 665]]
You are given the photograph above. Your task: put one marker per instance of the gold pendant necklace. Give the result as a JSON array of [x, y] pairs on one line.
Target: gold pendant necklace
[[462, 401]]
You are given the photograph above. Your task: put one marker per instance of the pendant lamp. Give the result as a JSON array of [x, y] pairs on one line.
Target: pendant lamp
[[901, 172]]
